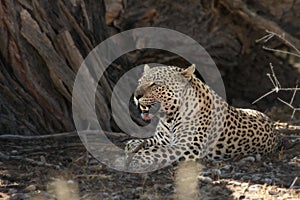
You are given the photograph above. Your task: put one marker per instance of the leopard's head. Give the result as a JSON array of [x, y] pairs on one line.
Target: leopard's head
[[164, 85]]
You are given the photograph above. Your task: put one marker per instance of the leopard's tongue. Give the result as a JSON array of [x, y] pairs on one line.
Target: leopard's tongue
[[145, 112], [147, 116]]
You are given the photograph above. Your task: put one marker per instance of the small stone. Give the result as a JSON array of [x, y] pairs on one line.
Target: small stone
[[255, 187], [258, 157], [206, 173], [12, 191], [268, 181], [245, 178], [151, 197], [94, 162], [235, 183], [30, 188], [256, 177], [226, 167], [43, 159], [14, 151], [216, 172], [70, 181], [271, 192], [205, 179], [245, 184], [238, 175], [247, 159], [18, 196], [139, 188]]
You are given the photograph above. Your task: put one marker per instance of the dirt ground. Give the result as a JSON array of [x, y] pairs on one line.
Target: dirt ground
[[60, 168]]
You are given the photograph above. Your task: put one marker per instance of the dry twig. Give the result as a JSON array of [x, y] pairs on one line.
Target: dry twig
[[74, 134], [274, 80], [28, 160]]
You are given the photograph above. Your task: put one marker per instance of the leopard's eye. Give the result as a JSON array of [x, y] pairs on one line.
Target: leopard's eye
[[160, 82], [152, 84]]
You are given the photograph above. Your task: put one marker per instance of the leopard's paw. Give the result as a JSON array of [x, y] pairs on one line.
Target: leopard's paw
[[138, 163], [133, 146]]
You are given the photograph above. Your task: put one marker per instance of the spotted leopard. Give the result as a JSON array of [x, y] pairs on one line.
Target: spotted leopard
[[196, 122]]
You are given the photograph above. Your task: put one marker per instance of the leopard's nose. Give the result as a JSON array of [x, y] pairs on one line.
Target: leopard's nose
[[139, 93], [138, 96]]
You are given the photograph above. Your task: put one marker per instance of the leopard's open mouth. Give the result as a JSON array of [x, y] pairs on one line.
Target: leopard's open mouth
[[147, 106], [146, 115]]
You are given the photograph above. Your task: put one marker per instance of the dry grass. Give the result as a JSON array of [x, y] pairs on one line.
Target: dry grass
[[64, 189], [186, 180]]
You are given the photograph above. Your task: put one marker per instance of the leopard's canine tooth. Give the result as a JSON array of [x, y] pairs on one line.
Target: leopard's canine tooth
[[136, 101], [145, 108]]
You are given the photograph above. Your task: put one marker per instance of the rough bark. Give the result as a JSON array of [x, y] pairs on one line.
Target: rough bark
[[42, 45], [43, 42]]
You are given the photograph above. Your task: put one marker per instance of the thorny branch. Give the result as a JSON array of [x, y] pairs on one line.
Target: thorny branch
[[274, 80], [271, 35]]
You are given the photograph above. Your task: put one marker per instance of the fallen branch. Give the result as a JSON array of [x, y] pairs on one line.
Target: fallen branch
[[240, 8], [28, 160], [38, 137], [293, 183], [74, 134]]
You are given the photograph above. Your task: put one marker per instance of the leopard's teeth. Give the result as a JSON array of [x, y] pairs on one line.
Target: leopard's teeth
[[144, 108], [136, 101]]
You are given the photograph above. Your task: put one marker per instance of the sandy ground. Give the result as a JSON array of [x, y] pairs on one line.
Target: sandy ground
[[60, 168]]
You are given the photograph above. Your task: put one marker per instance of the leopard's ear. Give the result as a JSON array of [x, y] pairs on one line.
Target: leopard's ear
[[188, 72], [146, 68]]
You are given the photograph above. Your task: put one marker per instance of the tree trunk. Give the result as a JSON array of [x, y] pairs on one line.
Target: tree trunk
[[228, 30], [43, 43]]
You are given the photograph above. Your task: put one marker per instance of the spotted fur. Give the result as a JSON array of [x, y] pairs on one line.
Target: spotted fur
[[197, 123]]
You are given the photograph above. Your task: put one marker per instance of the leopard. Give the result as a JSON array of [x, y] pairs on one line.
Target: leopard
[[195, 123]]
